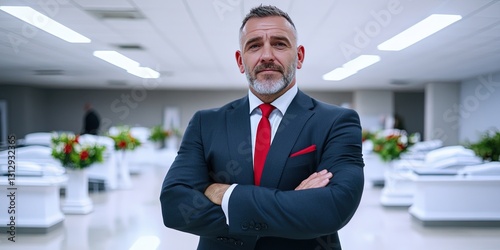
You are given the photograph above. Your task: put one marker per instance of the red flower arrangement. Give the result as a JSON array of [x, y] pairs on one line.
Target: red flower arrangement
[[390, 147], [124, 140], [72, 154]]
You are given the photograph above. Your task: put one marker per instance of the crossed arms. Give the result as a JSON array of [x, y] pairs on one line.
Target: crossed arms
[[321, 204]]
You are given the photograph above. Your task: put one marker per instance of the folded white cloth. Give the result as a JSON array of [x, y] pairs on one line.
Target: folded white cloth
[[29, 168], [490, 168], [448, 152]]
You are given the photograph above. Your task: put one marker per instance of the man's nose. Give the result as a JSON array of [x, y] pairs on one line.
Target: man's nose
[[267, 54]]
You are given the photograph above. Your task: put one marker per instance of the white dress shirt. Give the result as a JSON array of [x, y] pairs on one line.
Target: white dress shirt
[[281, 105]]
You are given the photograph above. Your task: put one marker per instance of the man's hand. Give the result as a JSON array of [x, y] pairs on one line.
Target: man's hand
[[215, 192], [316, 180]]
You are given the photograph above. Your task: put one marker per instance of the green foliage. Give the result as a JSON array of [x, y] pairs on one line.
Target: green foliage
[[68, 150], [124, 140], [488, 147], [158, 134]]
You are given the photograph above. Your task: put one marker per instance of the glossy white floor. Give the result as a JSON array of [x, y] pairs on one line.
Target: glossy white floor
[[123, 219]]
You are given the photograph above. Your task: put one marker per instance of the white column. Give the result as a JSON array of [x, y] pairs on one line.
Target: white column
[[440, 100]]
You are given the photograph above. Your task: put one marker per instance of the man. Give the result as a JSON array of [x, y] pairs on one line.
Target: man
[[312, 178], [91, 120]]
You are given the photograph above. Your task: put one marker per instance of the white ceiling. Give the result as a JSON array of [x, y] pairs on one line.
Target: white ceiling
[[192, 43]]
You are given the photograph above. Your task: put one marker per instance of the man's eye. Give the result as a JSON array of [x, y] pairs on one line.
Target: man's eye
[[280, 45], [253, 46]]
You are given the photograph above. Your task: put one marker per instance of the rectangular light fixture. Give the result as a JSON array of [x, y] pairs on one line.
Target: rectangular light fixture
[[131, 66], [352, 67], [144, 72], [45, 23], [116, 59], [419, 31]]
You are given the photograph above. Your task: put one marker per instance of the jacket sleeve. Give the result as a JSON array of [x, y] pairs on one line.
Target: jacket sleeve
[[183, 203], [307, 213]]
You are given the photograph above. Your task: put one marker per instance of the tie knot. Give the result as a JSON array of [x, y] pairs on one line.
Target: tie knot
[[266, 109]]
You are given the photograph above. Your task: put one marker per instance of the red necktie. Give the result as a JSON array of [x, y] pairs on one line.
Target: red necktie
[[262, 142]]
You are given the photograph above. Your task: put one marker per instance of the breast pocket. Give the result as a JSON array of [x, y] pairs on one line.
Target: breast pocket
[[298, 168]]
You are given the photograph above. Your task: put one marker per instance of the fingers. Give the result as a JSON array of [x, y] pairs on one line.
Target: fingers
[[215, 192], [316, 180]]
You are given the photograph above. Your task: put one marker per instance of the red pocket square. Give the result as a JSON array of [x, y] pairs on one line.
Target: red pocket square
[[309, 149]]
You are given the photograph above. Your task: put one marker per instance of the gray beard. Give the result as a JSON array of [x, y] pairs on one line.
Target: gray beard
[[268, 86]]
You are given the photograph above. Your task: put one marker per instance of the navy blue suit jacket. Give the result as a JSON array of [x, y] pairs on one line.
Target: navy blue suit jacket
[[217, 148]]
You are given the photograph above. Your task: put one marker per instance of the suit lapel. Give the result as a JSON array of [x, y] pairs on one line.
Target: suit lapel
[[239, 141], [296, 116]]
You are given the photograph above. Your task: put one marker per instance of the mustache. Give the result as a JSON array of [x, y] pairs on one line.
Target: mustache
[[268, 66]]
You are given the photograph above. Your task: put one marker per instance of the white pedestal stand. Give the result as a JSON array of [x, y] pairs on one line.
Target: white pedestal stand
[[124, 181], [172, 143], [374, 169], [77, 199]]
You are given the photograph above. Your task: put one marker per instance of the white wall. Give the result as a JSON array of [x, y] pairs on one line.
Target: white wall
[[25, 109], [34, 109], [372, 106], [479, 108]]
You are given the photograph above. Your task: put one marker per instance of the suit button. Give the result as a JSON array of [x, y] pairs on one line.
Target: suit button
[[238, 243], [258, 226], [244, 226], [220, 238], [264, 226]]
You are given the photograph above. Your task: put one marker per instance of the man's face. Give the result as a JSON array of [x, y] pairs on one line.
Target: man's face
[[269, 56]]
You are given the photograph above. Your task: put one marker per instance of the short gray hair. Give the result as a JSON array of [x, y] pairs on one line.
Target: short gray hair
[[267, 11]]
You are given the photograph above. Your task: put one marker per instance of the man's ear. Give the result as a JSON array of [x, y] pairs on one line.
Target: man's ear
[[239, 61], [301, 53]]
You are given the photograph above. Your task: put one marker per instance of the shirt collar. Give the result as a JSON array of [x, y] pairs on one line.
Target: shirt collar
[[281, 103]]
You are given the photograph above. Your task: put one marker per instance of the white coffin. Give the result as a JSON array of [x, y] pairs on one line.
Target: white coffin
[[456, 199], [36, 198]]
